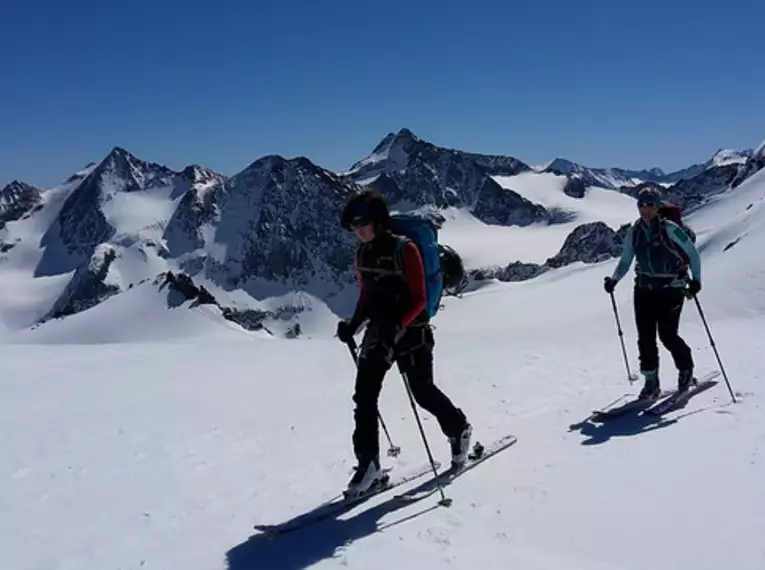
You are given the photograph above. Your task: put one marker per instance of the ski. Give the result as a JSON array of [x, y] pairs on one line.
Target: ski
[[477, 456], [678, 399], [635, 405], [340, 503]]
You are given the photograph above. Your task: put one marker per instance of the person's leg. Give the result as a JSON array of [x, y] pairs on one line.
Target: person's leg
[[371, 371], [369, 379], [670, 310], [416, 365], [648, 351]]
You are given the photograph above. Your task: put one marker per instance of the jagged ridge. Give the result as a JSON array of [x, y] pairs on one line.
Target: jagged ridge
[[406, 169]]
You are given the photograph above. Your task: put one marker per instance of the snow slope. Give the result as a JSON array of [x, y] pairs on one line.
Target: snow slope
[[143, 314], [537, 242], [732, 234], [142, 453]]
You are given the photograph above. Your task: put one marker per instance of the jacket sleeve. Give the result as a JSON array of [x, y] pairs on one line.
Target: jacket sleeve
[[679, 237], [628, 254], [414, 274]]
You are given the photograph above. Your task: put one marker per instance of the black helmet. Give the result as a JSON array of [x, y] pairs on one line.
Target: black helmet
[[363, 208]]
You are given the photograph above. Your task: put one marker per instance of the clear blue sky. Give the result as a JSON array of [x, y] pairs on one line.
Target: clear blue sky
[[602, 82]]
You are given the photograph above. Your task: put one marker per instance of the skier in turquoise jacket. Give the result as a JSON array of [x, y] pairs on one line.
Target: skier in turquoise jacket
[[663, 251]]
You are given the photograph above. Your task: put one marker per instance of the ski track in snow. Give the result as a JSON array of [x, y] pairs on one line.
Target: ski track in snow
[[137, 435]]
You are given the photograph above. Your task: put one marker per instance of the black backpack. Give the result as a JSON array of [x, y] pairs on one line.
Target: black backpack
[[452, 270]]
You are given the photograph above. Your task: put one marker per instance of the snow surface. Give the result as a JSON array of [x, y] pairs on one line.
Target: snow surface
[[145, 433]]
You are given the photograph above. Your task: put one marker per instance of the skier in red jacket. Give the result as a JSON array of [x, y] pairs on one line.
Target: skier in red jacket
[[392, 301]]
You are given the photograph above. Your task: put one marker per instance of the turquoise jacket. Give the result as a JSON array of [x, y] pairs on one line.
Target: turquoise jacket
[[658, 263]]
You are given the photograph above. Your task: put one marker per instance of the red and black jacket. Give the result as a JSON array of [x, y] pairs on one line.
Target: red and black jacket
[[391, 282]]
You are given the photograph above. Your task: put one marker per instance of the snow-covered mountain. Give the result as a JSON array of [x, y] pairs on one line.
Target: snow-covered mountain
[[266, 243], [726, 169], [18, 199], [410, 171], [277, 221], [269, 230], [109, 228], [616, 178], [603, 177], [726, 156], [397, 151]]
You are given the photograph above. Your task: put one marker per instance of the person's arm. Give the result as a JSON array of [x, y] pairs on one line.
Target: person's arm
[[414, 274], [679, 237], [628, 254]]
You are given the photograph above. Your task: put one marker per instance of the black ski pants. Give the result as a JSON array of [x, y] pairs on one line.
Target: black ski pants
[[414, 356], [660, 310]]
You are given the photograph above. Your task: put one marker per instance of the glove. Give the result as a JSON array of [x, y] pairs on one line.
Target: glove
[[345, 331], [693, 288], [609, 284]]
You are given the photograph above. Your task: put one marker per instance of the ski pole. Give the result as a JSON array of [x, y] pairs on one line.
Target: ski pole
[[630, 376], [445, 501], [393, 450], [714, 347]]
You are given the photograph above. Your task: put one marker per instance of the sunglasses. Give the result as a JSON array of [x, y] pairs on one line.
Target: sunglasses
[[646, 204], [360, 221]]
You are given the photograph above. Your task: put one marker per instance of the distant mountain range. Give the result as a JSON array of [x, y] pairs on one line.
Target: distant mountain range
[[618, 177], [273, 228]]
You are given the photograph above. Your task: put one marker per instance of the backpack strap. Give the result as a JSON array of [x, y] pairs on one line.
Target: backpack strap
[[398, 255], [635, 228], [670, 245], [380, 272]]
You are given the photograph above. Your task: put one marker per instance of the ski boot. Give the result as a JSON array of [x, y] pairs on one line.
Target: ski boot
[[460, 446], [651, 389], [685, 380], [368, 476]]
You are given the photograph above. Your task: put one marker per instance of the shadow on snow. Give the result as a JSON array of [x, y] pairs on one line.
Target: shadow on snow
[[627, 425], [302, 548]]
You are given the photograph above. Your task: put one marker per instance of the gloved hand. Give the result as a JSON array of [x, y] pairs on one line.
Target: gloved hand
[[693, 288], [609, 284], [345, 331]]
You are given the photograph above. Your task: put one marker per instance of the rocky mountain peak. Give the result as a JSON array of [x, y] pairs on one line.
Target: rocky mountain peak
[[405, 168], [16, 200], [562, 166], [196, 174], [656, 172], [90, 215], [16, 189], [276, 221], [403, 139], [121, 171], [589, 243]]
